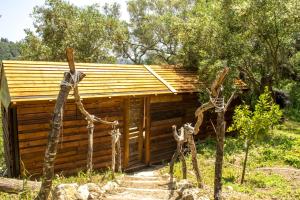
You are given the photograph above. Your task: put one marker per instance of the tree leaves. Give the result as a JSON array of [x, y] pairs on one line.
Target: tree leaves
[[254, 124]]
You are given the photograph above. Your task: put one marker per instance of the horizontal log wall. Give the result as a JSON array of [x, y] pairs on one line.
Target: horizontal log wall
[[33, 127], [165, 112]]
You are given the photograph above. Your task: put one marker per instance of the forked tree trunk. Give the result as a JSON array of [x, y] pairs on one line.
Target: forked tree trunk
[[53, 136], [180, 139], [245, 161], [192, 147], [220, 133]]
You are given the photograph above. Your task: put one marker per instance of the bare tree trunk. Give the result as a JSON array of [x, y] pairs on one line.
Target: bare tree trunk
[[183, 165], [219, 156], [180, 139], [119, 158], [192, 147], [113, 155], [71, 80], [90, 147], [171, 171], [245, 161], [9, 185], [115, 143], [53, 137]]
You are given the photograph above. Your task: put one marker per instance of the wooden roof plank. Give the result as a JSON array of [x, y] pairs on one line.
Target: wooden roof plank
[[160, 78], [37, 80]]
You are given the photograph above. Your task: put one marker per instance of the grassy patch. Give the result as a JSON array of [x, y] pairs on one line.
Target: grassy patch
[[279, 149]]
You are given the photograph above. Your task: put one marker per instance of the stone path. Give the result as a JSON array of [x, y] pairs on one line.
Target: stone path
[[143, 185]]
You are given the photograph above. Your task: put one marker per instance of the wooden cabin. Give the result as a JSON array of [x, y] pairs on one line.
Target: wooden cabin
[[146, 100]]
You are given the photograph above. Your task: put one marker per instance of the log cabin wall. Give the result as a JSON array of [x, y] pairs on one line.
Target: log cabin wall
[[28, 87], [166, 111], [33, 127], [9, 141]]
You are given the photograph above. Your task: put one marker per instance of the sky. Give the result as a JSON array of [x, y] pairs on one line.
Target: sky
[[15, 15]]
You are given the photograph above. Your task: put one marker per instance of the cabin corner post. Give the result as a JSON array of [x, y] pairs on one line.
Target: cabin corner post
[[126, 120], [147, 130]]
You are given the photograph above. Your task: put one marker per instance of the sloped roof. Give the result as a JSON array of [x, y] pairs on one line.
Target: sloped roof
[[35, 80]]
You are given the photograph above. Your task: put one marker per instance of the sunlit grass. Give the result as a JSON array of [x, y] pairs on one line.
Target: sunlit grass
[[281, 148]]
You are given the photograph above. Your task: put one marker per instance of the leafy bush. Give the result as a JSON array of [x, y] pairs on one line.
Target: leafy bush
[[255, 125]]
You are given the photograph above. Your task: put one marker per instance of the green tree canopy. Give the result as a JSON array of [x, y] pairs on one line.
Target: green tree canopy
[[59, 24], [256, 39], [8, 50]]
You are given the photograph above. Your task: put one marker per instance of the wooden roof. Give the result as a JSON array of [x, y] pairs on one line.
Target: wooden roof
[[33, 80]]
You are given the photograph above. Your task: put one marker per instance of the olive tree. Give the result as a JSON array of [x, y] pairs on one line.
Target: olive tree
[[252, 125]]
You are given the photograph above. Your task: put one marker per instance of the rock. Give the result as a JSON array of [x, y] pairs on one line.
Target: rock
[[90, 191], [203, 198], [229, 188], [66, 192], [190, 194], [183, 185], [72, 191], [95, 191], [109, 186], [83, 191]]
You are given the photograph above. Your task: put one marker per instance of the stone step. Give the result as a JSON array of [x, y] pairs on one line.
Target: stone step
[[146, 178], [130, 196], [142, 193], [146, 184]]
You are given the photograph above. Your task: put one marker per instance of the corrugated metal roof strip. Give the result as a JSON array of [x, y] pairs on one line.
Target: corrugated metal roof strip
[[34, 80]]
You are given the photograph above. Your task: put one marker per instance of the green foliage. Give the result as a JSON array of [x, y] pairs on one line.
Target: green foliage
[[152, 33], [59, 24], [273, 151], [8, 50], [253, 125]]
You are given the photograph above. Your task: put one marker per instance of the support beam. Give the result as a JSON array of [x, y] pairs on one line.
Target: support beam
[[147, 130], [141, 130], [126, 120]]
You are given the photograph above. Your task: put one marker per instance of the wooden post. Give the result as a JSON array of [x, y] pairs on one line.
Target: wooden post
[[119, 157], [189, 132], [219, 155], [147, 131], [53, 136], [126, 121], [71, 80], [141, 130]]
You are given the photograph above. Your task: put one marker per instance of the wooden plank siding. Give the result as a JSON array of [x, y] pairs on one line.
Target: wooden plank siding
[[34, 125], [145, 106], [153, 115], [163, 115]]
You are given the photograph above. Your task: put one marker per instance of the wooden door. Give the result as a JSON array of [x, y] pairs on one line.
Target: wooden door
[[136, 129]]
